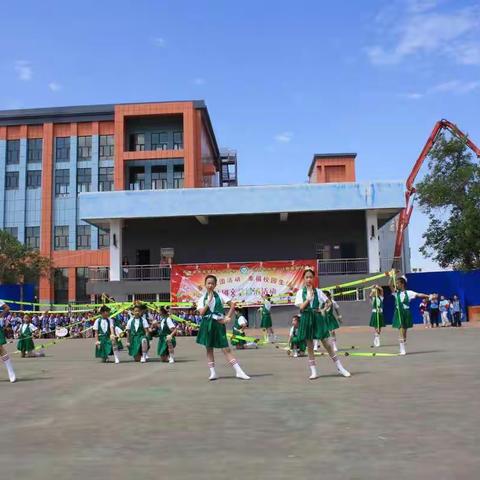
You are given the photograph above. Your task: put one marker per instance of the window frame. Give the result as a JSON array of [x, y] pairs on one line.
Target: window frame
[[58, 185], [84, 239], [66, 141], [61, 240], [34, 154], [36, 242], [84, 148], [37, 175], [13, 154]]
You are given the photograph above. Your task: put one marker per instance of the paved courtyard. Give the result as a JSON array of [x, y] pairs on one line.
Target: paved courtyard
[[413, 417]]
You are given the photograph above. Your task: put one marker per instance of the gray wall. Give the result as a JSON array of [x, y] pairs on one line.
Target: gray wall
[[245, 238]]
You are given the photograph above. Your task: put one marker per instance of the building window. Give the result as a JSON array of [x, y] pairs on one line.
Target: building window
[[60, 285], [159, 177], [106, 147], [62, 149], [136, 178], [62, 182], [177, 140], [32, 237], [34, 178], [103, 238], [34, 150], [83, 237], [84, 180], [81, 285], [178, 176], [61, 238], [137, 142], [11, 181], [13, 152], [13, 231], [105, 179], [160, 141], [84, 148]]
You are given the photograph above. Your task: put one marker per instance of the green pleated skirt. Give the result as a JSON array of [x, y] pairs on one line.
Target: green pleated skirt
[[313, 326], [295, 342], [135, 347], [402, 319], [105, 349], [332, 322], [266, 321], [162, 347], [3, 340], [25, 345], [377, 320], [212, 334], [237, 341]]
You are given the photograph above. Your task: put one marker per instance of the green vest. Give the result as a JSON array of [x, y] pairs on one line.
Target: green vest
[[26, 334], [218, 307], [101, 332], [377, 305], [165, 330], [141, 330], [315, 304]]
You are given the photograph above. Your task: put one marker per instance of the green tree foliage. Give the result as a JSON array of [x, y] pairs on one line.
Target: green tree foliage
[[450, 196], [19, 264]]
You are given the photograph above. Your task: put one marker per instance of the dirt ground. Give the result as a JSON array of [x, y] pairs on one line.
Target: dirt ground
[[413, 417]]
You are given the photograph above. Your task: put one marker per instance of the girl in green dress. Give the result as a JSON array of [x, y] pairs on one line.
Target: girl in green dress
[[106, 344], [312, 323], [266, 321], [333, 318], [402, 316], [25, 344], [296, 345], [4, 309], [213, 333], [377, 321], [238, 330], [137, 330], [166, 331]]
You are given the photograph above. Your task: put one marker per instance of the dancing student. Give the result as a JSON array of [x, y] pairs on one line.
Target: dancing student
[[402, 317], [333, 317], [266, 321], [102, 328], [377, 320], [296, 345], [4, 310], [166, 331], [312, 323], [25, 344], [212, 333], [238, 330], [137, 330]]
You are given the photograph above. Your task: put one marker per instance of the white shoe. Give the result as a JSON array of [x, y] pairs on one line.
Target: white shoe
[[315, 349], [376, 341], [213, 376], [171, 360], [314, 373], [295, 355], [343, 371], [117, 360], [12, 378], [402, 349], [143, 360], [242, 376], [335, 349]]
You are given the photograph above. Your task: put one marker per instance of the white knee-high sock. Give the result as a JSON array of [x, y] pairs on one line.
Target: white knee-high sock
[[238, 370], [8, 364]]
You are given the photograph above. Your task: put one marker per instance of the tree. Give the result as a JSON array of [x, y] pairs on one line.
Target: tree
[[450, 196], [20, 264]]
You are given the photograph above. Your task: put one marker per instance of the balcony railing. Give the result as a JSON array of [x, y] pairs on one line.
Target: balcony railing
[[132, 273], [346, 266]]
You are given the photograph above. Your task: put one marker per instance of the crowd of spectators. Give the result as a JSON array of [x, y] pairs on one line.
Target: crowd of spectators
[[441, 311]]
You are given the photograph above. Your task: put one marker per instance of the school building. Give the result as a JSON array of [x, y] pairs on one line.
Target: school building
[[116, 193]]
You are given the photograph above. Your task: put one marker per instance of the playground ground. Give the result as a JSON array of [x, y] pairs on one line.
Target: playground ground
[[71, 417]]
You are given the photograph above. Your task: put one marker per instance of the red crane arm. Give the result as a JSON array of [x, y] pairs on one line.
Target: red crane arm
[[406, 213]]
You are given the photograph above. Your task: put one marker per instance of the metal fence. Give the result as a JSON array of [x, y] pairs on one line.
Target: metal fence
[[346, 266]]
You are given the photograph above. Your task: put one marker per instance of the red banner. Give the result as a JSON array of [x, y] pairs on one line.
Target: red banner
[[243, 282]]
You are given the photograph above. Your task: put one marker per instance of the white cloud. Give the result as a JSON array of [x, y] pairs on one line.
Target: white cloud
[[421, 29], [456, 87], [24, 70], [199, 81], [283, 137], [159, 42], [54, 86]]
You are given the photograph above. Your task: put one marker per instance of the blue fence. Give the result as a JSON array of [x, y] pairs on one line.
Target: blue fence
[[14, 292], [464, 284]]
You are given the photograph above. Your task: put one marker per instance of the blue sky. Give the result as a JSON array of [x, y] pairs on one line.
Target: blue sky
[[282, 80]]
